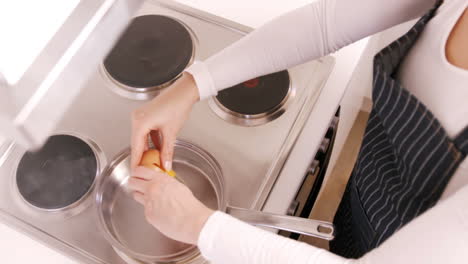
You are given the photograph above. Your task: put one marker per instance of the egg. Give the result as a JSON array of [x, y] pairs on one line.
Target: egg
[[152, 159]]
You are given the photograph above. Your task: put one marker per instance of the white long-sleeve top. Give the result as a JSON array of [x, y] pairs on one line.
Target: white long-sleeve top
[[438, 236]]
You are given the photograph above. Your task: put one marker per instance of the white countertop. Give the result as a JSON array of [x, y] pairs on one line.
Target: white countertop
[[19, 248]]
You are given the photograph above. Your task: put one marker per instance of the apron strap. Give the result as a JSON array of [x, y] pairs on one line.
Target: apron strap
[[461, 141]]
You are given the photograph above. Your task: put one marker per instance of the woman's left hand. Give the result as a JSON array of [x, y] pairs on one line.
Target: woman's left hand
[[169, 205]]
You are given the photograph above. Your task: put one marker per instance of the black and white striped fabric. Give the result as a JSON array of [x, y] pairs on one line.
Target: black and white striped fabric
[[405, 162]]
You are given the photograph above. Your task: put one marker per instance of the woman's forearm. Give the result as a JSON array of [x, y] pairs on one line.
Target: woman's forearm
[[306, 33], [438, 236], [229, 241]]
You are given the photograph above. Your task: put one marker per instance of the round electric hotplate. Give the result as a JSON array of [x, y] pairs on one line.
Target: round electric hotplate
[[57, 175], [256, 101], [152, 52]]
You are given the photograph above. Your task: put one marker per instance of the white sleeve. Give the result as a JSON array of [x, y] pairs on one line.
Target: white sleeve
[[226, 240], [301, 35], [438, 236]]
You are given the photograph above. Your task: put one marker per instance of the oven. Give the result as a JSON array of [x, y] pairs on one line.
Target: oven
[[307, 194], [95, 128]]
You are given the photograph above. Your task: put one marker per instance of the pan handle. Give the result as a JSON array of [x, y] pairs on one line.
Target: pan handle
[[308, 227]]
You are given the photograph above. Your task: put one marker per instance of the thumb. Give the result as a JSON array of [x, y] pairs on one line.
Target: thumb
[[167, 149]]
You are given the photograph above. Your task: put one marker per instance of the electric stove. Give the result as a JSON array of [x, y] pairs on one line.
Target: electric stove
[[250, 128]]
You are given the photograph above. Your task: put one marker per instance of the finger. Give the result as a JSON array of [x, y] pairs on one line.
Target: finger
[[139, 144], [139, 197], [145, 173], [167, 149], [138, 185]]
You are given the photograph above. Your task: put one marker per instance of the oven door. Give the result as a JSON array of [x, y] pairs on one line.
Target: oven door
[[307, 194], [48, 51]]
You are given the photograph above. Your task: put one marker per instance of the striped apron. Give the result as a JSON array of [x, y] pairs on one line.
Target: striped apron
[[405, 161]]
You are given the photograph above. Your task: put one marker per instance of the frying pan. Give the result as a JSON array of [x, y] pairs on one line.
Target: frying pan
[[124, 226]]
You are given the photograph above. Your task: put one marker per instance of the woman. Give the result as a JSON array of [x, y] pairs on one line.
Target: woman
[[411, 175]]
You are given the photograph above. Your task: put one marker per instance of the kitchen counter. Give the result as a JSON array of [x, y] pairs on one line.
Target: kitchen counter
[[19, 248]]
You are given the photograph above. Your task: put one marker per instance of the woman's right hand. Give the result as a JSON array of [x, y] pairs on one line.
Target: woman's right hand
[[165, 114], [170, 206]]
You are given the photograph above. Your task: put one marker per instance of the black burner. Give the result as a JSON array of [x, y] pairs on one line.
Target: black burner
[[57, 175], [256, 96], [152, 51]]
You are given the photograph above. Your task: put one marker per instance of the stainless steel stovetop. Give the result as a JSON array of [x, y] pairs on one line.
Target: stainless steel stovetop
[[251, 157]]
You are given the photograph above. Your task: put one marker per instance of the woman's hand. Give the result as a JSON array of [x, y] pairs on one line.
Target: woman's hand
[[165, 114], [169, 205]]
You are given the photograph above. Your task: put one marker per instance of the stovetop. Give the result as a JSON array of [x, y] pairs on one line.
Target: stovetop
[[251, 157]]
